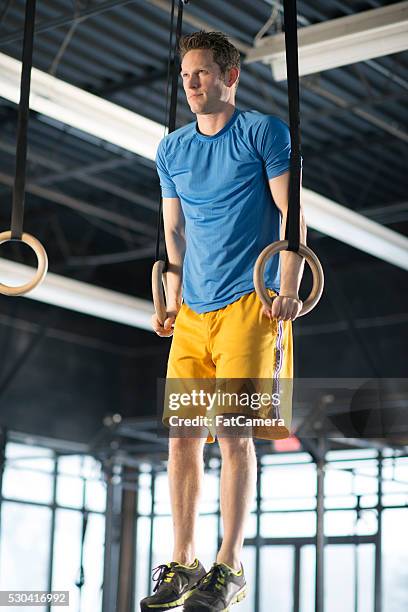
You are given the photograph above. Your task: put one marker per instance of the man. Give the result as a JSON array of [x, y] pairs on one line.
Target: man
[[224, 184]]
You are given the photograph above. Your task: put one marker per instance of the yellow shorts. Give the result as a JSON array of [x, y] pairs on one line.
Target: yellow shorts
[[221, 349]]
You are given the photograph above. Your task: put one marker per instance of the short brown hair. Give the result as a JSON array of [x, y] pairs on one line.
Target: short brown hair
[[224, 53]]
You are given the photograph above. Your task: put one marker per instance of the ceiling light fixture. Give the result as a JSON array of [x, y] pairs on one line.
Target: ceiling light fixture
[[338, 42]]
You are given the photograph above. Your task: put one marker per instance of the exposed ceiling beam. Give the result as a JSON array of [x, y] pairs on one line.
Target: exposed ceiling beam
[[369, 102], [338, 42], [60, 172], [384, 124], [82, 110], [83, 207], [104, 259], [131, 81], [342, 326], [354, 229], [369, 140], [58, 22], [396, 212], [79, 339], [199, 24], [81, 297], [165, 5]]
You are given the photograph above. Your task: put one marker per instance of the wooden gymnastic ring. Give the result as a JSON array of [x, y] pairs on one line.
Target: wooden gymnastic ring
[[312, 260], [159, 290], [42, 267]]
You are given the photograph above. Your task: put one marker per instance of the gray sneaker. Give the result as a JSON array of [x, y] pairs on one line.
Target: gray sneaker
[[174, 584], [220, 588]]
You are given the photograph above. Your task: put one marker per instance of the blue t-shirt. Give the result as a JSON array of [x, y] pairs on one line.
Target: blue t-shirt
[[230, 215]]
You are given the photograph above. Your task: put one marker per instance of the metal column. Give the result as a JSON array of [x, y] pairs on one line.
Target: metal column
[[52, 526], [126, 585], [317, 450], [152, 510], [258, 537], [296, 579], [112, 537], [320, 539], [378, 540], [3, 442]]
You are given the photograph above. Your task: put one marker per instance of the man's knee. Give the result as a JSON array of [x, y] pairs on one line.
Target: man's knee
[[187, 446], [242, 445], [233, 430]]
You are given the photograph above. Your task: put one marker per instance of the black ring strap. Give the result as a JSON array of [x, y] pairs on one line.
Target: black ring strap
[[173, 70], [17, 214], [292, 231]]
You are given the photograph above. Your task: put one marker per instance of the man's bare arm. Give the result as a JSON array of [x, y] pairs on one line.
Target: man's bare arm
[[176, 245], [292, 264]]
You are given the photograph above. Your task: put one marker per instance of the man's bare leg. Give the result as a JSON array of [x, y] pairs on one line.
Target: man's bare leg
[[237, 491], [185, 471]]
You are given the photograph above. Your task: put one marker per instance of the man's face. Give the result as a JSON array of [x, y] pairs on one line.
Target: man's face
[[206, 87]]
